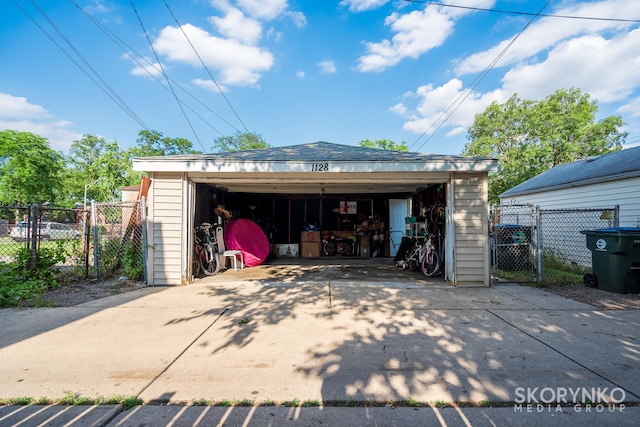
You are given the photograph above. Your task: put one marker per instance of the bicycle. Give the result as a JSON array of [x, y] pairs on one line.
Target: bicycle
[[426, 257], [205, 255]]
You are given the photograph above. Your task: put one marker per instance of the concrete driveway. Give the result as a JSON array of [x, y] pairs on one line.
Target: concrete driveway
[[335, 333]]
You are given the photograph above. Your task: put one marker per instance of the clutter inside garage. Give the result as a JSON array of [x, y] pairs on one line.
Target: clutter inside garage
[[313, 226]]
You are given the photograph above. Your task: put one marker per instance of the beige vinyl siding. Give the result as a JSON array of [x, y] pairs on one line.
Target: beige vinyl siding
[[165, 224], [470, 227], [624, 192]]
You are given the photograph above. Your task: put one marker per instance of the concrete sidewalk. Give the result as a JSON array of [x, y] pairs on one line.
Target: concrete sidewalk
[[327, 340]]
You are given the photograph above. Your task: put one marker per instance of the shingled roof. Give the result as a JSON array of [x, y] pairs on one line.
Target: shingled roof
[[316, 151], [607, 167]]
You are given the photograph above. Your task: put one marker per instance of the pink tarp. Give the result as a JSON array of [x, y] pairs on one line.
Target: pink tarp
[[247, 236]]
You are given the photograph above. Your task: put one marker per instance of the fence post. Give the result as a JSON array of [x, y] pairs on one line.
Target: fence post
[[143, 218], [87, 235], [616, 221], [33, 238], [539, 258], [94, 232]]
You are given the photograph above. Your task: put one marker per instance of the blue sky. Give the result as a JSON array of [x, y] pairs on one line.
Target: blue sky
[[298, 71]]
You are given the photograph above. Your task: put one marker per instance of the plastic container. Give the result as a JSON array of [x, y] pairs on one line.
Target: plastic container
[[615, 259]]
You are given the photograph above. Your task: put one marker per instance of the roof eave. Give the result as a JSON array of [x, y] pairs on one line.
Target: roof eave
[[222, 166], [572, 184]]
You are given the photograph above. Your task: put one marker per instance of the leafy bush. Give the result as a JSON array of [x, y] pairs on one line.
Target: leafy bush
[[21, 280], [110, 257], [132, 262]]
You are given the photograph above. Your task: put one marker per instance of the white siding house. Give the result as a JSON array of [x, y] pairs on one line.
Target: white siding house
[[598, 182]]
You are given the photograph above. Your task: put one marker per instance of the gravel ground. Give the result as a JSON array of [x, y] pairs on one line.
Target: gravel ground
[[84, 291], [604, 300]]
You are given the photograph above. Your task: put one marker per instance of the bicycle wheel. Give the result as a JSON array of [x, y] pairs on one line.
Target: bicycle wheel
[[431, 264], [209, 263], [195, 263], [413, 260]]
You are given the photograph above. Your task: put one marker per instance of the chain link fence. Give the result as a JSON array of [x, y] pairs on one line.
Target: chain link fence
[[529, 244], [105, 240], [118, 240]]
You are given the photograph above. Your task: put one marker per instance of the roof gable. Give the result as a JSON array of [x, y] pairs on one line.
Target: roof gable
[[607, 167]]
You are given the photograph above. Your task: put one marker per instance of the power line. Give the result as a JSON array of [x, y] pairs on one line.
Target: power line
[[535, 15], [108, 90], [128, 49], [465, 94], [165, 75], [205, 66]]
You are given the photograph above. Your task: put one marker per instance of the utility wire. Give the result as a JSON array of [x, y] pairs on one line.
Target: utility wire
[[104, 86], [165, 75], [128, 49], [512, 12], [465, 94], [204, 65]]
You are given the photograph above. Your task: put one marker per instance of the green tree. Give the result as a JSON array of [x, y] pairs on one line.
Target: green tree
[[99, 166], [529, 137], [384, 144], [239, 142], [152, 143], [30, 171]]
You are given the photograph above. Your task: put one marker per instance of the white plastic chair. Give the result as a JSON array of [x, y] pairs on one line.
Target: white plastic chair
[[226, 254]]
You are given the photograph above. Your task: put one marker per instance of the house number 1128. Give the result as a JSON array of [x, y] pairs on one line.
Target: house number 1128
[[320, 167]]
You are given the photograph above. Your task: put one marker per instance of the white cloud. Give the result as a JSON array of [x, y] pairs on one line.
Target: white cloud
[[416, 33], [17, 107], [209, 85], [632, 108], [237, 26], [600, 58], [585, 62], [300, 74], [238, 64], [399, 108], [435, 107], [546, 33], [363, 5], [328, 67], [17, 113], [145, 67], [298, 18], [264, 9]]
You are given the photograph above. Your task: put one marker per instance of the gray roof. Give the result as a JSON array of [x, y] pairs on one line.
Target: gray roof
[[317, 151], [607, 167]]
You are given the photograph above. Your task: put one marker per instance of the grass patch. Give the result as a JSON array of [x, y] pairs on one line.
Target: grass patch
[[70, 398], [292, 403]]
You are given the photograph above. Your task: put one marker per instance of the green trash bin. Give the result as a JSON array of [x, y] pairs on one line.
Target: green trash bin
[[615, 255]]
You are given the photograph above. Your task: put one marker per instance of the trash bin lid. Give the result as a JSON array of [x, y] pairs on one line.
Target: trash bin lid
[[622, 231]]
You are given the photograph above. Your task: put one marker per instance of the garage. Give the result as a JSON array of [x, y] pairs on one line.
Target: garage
[[328, 189]]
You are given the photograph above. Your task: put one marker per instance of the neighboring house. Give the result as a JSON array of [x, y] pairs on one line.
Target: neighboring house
[[601, 182], [309, 183], [598, 182]]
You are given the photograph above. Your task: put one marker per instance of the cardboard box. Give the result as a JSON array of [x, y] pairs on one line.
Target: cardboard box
[[310, 249], [288, 250], [310, 236]]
